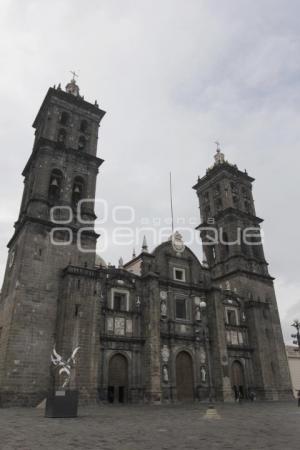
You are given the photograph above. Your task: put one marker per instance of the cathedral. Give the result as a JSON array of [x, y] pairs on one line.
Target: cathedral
[[160, 328]]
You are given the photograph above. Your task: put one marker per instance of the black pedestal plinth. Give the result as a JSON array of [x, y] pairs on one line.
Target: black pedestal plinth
[[62, 404]]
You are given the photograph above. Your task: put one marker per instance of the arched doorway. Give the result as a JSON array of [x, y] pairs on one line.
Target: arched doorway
[[238, 380], [117, 379], [184, 377]]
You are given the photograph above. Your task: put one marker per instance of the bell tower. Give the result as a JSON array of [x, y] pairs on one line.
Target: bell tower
[[231, 235], [55, 228], [230, 229]]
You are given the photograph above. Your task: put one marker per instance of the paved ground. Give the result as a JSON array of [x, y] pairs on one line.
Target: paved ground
[[241, 427]]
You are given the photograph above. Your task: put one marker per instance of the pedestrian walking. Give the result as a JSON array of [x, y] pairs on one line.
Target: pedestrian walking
[[236, 393], [252, 396]]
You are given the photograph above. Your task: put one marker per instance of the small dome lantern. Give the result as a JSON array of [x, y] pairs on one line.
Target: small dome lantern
[[71, 87]]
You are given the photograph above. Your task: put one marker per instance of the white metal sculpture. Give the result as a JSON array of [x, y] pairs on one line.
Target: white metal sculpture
[[64, 366]]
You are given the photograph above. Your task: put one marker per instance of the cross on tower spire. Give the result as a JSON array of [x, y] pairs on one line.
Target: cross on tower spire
[[74, 75], [72, 87], [219, 156], [218, 145]]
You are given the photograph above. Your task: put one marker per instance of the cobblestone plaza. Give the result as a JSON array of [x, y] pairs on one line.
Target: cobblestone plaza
[[247, 426]]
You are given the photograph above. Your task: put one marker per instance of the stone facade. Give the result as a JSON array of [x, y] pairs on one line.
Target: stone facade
[[160, 328]]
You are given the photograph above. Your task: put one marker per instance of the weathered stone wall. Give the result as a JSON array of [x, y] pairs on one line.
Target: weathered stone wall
[[29, 314], [32, 281]]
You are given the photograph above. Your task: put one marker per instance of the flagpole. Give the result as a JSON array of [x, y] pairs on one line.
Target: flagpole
[[171, 203]]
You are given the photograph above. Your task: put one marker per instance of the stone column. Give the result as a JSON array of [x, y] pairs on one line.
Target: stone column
[[219, 357], [151, 320]]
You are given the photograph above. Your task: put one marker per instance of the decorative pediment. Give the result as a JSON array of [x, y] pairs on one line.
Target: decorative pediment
[[231, 301]]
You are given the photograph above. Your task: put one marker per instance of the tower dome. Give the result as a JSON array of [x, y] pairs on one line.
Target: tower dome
[[219, 156], [99, 261], [72, 87]]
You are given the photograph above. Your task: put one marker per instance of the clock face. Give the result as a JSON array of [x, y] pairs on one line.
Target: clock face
[[163, 295], [177, 242]]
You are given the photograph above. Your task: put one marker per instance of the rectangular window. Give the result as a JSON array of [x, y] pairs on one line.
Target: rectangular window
[[179, 274], [234, 337], [231, 316], [180, 308], [120, 301]]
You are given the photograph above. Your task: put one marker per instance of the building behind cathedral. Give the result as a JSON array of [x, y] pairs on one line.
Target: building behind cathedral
[[160, 328]]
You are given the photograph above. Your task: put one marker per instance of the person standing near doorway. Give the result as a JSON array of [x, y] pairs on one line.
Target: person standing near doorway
[[235, 392], [252, 395]]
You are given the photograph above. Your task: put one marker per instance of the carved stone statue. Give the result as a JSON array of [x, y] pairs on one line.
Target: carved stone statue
[[163, 308], [165, 374], [64, 367], [177, 243], [198, 314], [203, 374]]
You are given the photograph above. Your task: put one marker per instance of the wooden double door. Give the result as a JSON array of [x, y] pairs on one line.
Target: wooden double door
[[184, 377], [118, 379], [238, 380]]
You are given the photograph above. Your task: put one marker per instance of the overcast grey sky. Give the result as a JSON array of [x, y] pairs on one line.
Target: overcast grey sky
[[173, 76]]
